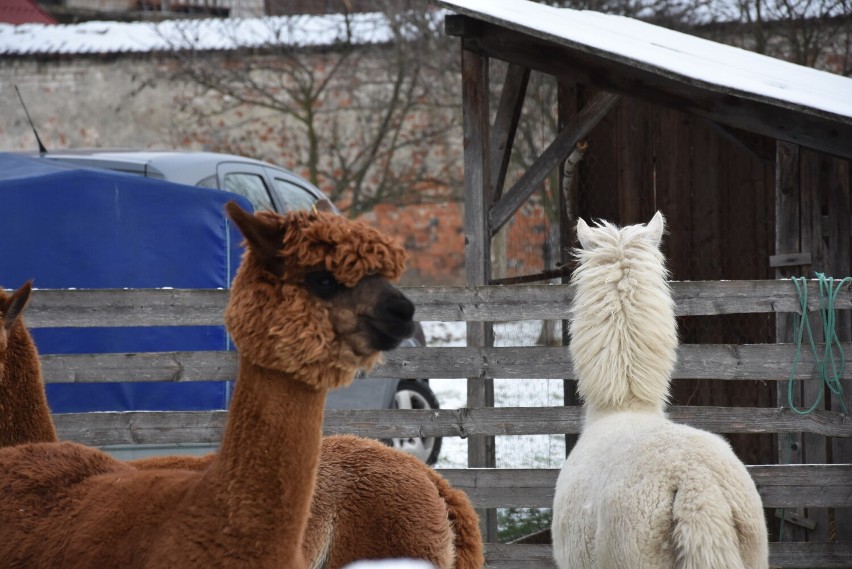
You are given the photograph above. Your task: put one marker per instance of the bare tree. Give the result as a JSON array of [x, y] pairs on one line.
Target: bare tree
[[815, 33], [367, 116]]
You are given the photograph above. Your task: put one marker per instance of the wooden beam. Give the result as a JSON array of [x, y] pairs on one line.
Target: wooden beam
[[506, 125], [779, 485], [787, 555], [155, 307], [755, 362], [167, 427], [743, 140], [838, 182], [54, 308], [166, 307], [790, 260], [481, 451], [558, 150]]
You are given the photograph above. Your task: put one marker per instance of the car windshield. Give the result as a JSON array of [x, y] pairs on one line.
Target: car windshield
[[292, 196]]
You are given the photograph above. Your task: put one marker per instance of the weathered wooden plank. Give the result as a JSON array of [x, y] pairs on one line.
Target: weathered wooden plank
[[505, 125], [762, 362], [789, 239], [810, 555], [808, 448], [478, 191], [780, 486], [789, 555], [838, 186], [141, 427], [51, 308], [505, 556], [790, 260], [144, 367], [196, 427]]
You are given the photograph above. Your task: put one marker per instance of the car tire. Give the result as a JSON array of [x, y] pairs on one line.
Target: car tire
[[416, 394]]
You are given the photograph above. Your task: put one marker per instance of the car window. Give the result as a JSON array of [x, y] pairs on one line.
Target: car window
[[252, 187], [209, 182], [293, 196]]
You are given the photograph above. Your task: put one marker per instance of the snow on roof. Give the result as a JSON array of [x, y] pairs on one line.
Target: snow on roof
[[206, 34], [668, 53]]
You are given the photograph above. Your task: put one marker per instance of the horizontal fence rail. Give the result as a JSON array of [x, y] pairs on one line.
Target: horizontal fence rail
[[780, 486], [159, 427], [803, 555], [762, 362], [176, 307]]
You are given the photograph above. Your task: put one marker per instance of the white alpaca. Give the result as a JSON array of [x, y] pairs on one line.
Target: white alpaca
[[638, 491]]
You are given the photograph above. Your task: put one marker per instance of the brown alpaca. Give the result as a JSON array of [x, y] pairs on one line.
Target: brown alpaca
[[375, 502], [311, 304], [413, 512], [24, 415]]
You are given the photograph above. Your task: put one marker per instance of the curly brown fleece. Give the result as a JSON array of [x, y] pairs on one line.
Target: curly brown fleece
[[299, 326], [375, 502]]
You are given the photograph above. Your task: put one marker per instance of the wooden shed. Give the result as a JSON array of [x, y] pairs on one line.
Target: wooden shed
[[746, 155]]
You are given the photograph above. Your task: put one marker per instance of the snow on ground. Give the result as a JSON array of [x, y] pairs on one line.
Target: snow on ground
[[528, 451]]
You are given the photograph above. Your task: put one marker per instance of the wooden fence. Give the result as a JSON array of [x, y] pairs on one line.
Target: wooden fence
[[781, 486]]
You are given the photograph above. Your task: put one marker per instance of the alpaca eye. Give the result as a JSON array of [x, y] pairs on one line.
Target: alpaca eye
[[322, 284]]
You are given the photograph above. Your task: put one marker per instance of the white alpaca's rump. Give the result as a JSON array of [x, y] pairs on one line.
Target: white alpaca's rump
[[623, 329]]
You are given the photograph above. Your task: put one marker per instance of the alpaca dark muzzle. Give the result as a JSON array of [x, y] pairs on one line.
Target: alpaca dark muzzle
[[392, 321]]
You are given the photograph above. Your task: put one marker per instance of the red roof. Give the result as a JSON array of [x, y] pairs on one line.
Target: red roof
[[23, 12]]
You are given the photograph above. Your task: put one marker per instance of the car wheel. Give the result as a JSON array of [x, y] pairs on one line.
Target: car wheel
[[413, 394]]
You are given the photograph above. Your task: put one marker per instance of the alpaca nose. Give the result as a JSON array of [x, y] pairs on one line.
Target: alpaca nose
[[400, 307], [397, 314]]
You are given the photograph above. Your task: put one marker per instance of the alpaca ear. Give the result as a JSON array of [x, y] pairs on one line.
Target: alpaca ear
[[16, 304], [584, 234], [655, 229], [265, 237], [324, 205]]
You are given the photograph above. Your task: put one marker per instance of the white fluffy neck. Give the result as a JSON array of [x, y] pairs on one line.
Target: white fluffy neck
[[623, 329], [595, 413]]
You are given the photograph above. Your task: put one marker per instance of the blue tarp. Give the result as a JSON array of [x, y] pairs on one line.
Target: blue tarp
[[69, 227]]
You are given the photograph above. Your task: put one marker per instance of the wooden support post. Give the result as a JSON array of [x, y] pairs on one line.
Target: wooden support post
[[506, 125], [568, 213], [477, 186], [811, 197], [788, 239], [838, 181]]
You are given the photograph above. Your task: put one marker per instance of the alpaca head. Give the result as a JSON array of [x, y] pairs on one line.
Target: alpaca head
[[313, 296], [11, 307], [623, 329]]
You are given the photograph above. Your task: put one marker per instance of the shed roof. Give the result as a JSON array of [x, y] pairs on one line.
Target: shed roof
[[720, 82]]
